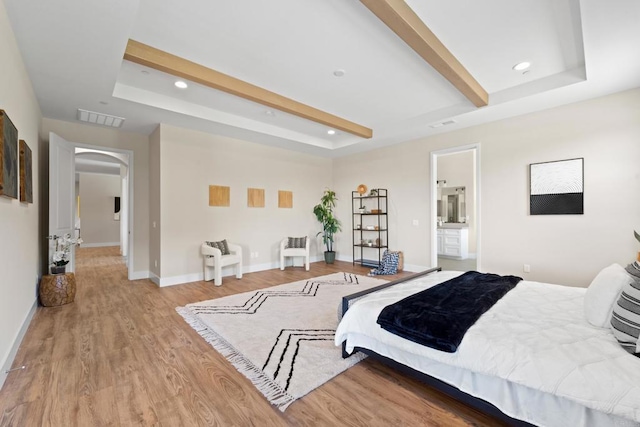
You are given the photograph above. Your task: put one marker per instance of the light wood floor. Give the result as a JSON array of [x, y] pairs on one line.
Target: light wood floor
[[121, 355]]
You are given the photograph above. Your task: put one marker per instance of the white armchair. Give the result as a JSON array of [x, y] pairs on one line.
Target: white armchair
[[293, 252], [214, 261]]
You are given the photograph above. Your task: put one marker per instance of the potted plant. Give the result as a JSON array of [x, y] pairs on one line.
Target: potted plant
[[62, 252], [330, 225]]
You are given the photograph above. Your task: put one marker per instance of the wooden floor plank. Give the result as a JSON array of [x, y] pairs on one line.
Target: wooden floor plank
[[121, 355]]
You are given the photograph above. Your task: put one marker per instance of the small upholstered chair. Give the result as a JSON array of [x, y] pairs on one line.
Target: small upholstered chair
[[214, 260], [293, 247]]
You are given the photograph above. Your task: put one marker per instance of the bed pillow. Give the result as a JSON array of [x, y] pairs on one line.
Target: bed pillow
[[634, 269], [222, 245], [602, 294], [297, 242], [625, 319]]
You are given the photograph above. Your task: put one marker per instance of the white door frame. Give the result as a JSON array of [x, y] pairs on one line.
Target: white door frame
[[434, 204], [62, 203], [129, 154]]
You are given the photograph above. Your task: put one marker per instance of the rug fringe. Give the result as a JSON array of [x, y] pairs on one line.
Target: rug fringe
[[271, 390]]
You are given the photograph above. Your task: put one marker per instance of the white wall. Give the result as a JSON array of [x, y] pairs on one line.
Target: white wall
[[20, 259], [97, 195], [567, 249], [112, 138], [404, 172], [190, 161], [154, 205]]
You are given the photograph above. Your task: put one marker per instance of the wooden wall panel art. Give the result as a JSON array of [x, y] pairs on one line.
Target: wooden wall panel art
[[255, 197], [219, 195], [26, 173], [285, 199]]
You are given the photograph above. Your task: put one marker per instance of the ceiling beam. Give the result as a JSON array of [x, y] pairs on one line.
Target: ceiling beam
[[163, 61], [402, 20]]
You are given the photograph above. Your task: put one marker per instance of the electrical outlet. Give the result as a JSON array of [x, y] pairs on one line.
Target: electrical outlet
[[416, 222], [155, 263], [257, 254], [526, 268]]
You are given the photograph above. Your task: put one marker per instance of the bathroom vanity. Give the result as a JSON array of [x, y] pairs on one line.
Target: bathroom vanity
[[453, 240]]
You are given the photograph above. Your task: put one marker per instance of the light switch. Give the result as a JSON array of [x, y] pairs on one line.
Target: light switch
[[416, 222]]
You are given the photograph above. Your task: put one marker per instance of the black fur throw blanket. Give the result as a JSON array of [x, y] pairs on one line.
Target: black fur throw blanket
[[439, 317]]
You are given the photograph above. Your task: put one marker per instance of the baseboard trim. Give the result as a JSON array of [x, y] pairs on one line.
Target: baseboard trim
[[177, 280], [138, 275], [155, 279], [226, 271], [345, 258], [99, 245], [414, 268], [16, 343]]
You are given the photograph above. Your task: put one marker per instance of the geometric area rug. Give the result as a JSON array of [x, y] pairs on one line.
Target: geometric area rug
[[281, 337]]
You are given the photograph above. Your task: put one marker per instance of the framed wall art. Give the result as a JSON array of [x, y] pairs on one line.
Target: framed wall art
[[557, 188], [285, 199], [219, 195], [255, 197], [26, 173], [8, 157]]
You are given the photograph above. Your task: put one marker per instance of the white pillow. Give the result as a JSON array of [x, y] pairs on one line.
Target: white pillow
[[602, 294]]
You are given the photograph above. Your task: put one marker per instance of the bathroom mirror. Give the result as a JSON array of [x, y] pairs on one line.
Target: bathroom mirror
[[452, 206]]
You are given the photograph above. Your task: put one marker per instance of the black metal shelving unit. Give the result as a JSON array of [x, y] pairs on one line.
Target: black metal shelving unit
[[370, 225]]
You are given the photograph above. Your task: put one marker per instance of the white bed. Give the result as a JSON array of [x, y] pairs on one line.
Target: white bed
[[532, 355]]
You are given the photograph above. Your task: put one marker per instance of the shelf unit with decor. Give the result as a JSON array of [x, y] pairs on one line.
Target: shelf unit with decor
[[370, 226]]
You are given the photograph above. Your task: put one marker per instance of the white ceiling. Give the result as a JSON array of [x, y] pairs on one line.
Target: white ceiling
[[73, 52]]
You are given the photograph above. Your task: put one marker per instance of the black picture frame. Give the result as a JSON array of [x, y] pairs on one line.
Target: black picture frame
[[557, 187]]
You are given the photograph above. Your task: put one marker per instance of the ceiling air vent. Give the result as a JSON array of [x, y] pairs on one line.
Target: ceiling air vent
[[445, 123], [100, 118]]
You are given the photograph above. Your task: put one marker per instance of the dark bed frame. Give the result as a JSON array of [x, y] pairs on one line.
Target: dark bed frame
[[472, 401]]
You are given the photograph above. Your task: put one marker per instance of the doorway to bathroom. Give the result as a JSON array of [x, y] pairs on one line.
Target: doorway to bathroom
[[455, 213]]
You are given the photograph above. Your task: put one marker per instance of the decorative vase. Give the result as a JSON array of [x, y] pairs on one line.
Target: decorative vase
[[58, 269], [57, 289], [329, 257]]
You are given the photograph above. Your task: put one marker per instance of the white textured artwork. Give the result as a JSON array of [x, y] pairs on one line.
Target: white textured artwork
[[557, 187]]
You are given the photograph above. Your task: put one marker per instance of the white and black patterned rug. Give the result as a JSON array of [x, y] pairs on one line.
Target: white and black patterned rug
[[281, 337]]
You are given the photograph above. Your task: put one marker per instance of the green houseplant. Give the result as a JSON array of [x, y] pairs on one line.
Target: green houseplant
[[330, 224]]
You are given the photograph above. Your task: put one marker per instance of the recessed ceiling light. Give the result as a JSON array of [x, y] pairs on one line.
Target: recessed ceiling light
[[339, 73], [522, 66], [270, 113], [331, 132], [181, 85]]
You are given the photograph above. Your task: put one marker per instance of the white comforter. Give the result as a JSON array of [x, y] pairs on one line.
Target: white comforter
[[535, 336]]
